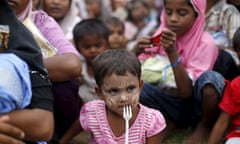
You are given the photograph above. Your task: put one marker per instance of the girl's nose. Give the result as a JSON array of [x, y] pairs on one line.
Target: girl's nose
[[93, 49], [56, 1], [174, 17], [124, 97]]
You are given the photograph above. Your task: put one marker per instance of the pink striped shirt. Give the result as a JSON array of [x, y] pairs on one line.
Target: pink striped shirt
[[149, 122]]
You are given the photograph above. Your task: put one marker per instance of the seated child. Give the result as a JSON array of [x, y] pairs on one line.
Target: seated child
[[229, 114], [230, 107], [90, 38], [118, 76], [116, 38]]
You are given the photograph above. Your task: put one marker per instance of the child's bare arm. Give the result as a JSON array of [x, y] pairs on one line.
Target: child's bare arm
[[9, 133], [72, 132], [63, 67], [156, 139], [37, 124], [219, 128], [183, 81]]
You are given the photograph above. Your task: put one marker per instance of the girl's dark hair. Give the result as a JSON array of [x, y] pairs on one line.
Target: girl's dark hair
[[236, 40], [189, 3], [115, 21], [115, 61], [90, 27]]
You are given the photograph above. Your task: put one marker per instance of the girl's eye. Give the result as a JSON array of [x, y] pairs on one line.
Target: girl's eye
[[98, 45], [168, 12], [113, 92], [182, 12], [130, 89], [86, 47], [111, 32]]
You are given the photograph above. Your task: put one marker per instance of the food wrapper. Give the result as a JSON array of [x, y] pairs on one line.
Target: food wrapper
[[156, 40]]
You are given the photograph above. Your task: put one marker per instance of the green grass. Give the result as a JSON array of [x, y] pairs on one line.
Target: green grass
[[176, 138], [82, 138]]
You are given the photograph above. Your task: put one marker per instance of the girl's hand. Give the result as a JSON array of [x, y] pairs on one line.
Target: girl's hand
[[142, 44], [9, 133], [168, 41]]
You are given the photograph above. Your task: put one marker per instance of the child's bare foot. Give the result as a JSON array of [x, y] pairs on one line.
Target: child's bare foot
[[198, 136]]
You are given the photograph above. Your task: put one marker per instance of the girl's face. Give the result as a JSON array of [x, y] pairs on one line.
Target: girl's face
[[151, 3], [93, 8], [18, 5], [138, 11], [116, 37], [56, 8], [118, 91], [92, 45], [180, 16]]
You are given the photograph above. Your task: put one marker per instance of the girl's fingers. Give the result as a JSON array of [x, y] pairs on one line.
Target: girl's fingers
[[8, 131], [143, 43], [168, 40], [144, 40], [4, 118], [5, 139]]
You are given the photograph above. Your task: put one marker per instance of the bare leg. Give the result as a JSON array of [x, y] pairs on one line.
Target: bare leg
[[210, 112]]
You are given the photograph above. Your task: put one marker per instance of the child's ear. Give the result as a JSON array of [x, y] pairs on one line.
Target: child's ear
[[99, 93], [141, 84]]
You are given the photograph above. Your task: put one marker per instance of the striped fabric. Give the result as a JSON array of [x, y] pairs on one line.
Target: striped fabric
[[223, 17], [93, 118]]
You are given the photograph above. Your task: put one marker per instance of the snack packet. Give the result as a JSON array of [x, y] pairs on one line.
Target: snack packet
[[156, 40]]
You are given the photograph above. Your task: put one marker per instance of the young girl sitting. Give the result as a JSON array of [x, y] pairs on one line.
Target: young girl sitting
[[116, 38], [90, 39], [117, 74], [191, 55]]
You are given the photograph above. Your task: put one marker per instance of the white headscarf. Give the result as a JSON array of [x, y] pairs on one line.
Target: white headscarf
[[68, 22], [70, 19]]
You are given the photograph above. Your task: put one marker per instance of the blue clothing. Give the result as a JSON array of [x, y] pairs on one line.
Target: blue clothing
[[183, 112], [15, 85]]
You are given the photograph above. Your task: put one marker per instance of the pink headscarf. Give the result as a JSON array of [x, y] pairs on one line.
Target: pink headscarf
[[26, 13], [196, 48]]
